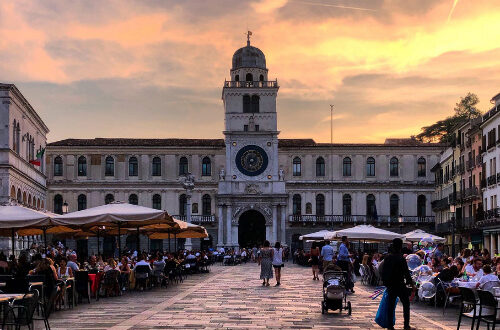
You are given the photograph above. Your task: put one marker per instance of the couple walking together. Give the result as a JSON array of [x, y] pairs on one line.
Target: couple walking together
[[271, 258]]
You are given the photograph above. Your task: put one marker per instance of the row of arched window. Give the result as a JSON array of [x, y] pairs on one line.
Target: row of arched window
[[371, 209], [206, 203], [347, 167], [133, 166], [28, 138], [26, 198]]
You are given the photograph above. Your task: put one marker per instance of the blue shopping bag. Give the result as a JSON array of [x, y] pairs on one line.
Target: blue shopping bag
[[381, 317]]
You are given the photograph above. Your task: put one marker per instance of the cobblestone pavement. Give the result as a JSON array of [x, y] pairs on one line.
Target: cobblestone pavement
[[233, 297]]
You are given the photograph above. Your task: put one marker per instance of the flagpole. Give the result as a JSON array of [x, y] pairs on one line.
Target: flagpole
[[331, 159]]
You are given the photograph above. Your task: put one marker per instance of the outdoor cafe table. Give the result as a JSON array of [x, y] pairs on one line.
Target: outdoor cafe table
[[9, 296], [37, 285], [71, 281]]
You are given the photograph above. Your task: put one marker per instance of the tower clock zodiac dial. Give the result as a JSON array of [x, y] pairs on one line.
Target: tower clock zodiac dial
[[251, 160]]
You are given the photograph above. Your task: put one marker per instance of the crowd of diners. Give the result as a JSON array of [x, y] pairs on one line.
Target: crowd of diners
[[59, 264]]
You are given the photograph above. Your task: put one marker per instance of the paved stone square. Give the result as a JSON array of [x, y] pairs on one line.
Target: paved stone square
[[233, 297]]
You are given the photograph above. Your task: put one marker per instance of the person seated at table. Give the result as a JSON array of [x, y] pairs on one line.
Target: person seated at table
[[23, 267], [460, 265], [64, 270], [436, 265], [72, 263], [487, 277], [100, 263], [142, 262], [111, 265], [91, 266], [124, 269], [51, 289], [475, 270], [448, 274]]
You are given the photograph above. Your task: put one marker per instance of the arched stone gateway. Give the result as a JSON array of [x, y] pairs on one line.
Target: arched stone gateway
[[251, 229]]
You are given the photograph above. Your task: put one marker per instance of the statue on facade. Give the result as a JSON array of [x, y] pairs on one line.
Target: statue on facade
[[222, 174], [188, 183], [281, 175]]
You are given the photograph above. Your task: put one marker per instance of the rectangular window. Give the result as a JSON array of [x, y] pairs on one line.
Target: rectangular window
[[245, 128], [257, 128]]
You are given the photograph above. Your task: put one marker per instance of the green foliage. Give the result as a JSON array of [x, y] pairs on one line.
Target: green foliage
[[442, 131]]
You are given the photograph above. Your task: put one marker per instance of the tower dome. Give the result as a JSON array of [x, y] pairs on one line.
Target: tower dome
[[249, 57]]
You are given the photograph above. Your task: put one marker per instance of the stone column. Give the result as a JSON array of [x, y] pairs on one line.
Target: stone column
[[492, 243], [220, 228], [486, 241], [498, 246], [275, 224], [188, 245], [283, 224], [229, 226]]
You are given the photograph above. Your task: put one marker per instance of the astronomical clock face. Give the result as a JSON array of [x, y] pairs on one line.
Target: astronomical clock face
[[251, 160]]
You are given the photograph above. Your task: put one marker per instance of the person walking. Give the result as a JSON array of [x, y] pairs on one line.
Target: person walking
[[344, 261], [326, 255], [315, 260], [278, 261], [265, 263], [394, 274]]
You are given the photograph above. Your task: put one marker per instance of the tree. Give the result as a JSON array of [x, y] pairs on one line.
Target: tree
[[442, 131]]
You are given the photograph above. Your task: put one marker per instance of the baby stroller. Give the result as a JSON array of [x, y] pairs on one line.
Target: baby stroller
[[334, 292]]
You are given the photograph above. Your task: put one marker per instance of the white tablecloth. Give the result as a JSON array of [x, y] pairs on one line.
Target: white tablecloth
[[470, 285]]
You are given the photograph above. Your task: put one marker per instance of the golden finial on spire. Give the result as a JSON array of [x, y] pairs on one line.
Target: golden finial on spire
[[249, 33]]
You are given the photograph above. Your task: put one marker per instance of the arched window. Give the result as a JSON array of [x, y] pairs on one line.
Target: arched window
[[371, 209], [183, 166], [370, 166], [132, 199], [346, 205], [421, 206], [394, 166], [421, 167], [13, 192], [206, 205], [309, 208], [58, 204], [261, 77], [82, 202], [255, 103], [320, 204], [346, 166], [58, 166], [29, 200], [206, 167], [109, 199], [297, 170], [18, 138], [133, 166], [320, 166], [14, 136], [157, 201], [247, 104], [82, 166], [182, 205], [109, 169], [237, 77], [249, 77], [19, 197], [156, 166], [394, 207], [297, 204]]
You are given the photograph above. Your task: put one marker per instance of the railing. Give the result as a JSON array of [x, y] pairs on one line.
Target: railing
[[197, 218], [440, 204], [444, 227], [471, 193], [381, 219], [492, 217], [251, 84], [460, 169], [483, 183], [492, 179]]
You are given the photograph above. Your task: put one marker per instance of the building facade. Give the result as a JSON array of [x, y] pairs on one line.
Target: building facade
[[251, 185], [23, 135]]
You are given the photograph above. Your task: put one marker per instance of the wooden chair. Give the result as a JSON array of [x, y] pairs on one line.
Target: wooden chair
[[467, 305]]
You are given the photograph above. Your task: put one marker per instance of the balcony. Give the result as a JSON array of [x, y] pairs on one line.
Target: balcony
[[440, 204], [359, 219], [444, 227], [471, 164], [471, 193], [251, 84], [479, 160], [483, 183], [460, 169], [492, 217], [492, 179], [196, 218]]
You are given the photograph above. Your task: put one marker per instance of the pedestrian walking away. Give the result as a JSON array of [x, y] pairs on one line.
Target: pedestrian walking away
[[278, 261], [326, 254], [396, 276], [344, 261], [265, 263], [314, 260]]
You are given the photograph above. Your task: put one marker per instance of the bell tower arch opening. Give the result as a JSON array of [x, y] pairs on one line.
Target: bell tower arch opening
[[252, 229]]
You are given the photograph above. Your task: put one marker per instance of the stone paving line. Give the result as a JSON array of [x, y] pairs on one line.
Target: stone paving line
[[232, 297]]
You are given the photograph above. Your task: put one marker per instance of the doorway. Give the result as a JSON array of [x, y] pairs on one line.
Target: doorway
[[252, 229]]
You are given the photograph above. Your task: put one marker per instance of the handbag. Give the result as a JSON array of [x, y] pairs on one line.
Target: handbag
[[381, 317]]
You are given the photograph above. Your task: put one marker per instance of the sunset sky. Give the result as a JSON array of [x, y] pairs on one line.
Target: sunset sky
[[155, 69]]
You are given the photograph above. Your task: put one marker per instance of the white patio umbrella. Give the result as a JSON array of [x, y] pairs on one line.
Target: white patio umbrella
[[418, 234], [365, 233], [317, 236]]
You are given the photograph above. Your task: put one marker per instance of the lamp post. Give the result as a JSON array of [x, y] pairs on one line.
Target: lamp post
[[452, 211], [65, 208], [188, 184], [400, 220]]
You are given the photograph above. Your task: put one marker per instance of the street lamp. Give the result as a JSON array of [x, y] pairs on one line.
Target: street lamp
[[65, 208], [188, 184], [400, 220], [452, 211]]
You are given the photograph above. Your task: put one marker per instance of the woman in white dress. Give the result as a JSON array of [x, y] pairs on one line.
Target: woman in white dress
[[278, 262]]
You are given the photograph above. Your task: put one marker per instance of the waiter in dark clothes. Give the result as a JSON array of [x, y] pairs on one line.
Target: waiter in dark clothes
[[396, 277]]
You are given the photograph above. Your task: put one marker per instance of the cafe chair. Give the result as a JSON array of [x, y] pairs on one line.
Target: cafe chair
[[488, 302], [467, 306], [82, 285], [20, 312], [110, 284], [142, 276]]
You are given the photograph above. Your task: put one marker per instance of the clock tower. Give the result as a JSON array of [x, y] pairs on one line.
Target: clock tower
[[251, 178]]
